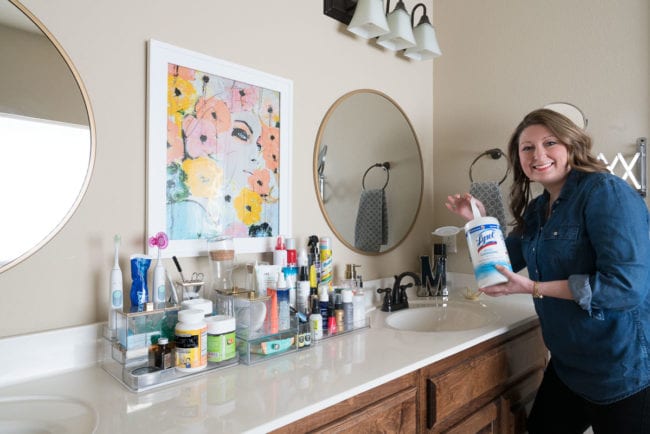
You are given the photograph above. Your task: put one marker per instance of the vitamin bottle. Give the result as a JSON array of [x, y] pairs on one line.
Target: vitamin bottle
[[222, 344], [191, 338]]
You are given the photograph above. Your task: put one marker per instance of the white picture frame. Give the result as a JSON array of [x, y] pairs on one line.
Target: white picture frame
[[243, 92]]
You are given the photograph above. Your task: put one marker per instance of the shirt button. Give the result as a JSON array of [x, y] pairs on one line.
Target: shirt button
[[555, 234]]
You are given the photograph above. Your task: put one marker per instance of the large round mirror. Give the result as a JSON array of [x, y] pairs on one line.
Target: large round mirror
[[368, 171], [46, 135]]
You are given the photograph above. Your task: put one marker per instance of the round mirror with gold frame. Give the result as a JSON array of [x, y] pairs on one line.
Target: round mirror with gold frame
[[368, 171], [47, 135]]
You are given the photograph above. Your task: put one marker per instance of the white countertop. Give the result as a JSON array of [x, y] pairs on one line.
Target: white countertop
[[275, 392]]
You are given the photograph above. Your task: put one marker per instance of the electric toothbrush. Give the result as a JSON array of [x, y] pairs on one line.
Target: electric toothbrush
[[161, 241], [116, 301]]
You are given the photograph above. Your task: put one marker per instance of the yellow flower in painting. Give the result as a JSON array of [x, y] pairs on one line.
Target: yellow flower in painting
[[181, 95], [204, 177], [248, 206]]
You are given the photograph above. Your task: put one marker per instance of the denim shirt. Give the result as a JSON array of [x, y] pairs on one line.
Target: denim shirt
[[597, 237]]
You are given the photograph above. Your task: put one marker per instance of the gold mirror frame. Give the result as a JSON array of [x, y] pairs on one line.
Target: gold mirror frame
[[92, 152], [398, 171]]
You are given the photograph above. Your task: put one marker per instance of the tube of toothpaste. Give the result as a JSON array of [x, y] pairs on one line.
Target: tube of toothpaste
[[139, 289]]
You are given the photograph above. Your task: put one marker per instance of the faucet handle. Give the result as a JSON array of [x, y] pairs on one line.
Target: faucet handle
[[387, 305]]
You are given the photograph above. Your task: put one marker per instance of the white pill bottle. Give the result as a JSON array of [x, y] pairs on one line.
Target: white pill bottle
[[487, 248]]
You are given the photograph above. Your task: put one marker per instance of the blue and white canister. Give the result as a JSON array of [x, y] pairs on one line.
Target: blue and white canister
[[487, 248]]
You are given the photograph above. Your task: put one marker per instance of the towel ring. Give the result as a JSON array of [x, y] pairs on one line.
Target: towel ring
[[495, 153], [385, 166]]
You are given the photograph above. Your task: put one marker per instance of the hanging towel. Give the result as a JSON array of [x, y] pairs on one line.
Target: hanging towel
[[489, 193], [371, 228]]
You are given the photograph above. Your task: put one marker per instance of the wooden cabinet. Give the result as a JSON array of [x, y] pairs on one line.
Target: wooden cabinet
[[389, 408], [485, 389]]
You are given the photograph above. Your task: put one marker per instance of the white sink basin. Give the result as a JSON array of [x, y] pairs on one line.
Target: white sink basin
[[454, 316], [46, 414]]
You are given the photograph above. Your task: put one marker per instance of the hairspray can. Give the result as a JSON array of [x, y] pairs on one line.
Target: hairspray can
[[487, 248], [326, 264]]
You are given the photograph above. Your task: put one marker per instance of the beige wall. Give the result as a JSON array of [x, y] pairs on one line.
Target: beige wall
[[66, 282], [503, 58]]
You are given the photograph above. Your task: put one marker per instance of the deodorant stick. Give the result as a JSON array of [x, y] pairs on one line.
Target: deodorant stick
[[487, 248]]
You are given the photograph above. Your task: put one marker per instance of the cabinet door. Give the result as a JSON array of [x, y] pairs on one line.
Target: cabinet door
[[395, 414], [460, 386], [516, 402], [391, 407], [482, 421]]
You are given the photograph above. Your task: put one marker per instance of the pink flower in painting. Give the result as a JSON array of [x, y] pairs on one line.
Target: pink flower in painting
[[237, 230], [243, 99], [174, 143], [269, 141], [258, 181], [200, 136], [216, 111], [180, 71]]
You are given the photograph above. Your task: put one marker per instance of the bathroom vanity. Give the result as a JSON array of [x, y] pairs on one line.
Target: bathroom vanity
[[474, 380]]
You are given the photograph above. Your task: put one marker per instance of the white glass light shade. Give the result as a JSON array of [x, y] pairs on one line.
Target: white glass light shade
[[401, 33], [369, 20], [426, 43]]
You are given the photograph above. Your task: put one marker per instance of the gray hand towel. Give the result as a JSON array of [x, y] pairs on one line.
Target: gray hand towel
[[489, 193], [371, 228]]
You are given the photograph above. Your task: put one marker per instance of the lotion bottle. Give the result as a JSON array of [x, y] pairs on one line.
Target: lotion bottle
[[316, 321], [284, 312]]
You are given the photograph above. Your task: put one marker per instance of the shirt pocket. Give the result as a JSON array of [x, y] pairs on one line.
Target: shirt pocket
[[561, 244]]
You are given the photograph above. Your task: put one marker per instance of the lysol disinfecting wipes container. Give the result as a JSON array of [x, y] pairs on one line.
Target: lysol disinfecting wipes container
[[487, 248]]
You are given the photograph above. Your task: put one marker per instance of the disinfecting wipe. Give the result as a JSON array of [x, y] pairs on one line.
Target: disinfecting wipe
[[487, 248]]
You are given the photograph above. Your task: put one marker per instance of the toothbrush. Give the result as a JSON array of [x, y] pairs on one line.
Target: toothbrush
[[116, 288], [161, 241]]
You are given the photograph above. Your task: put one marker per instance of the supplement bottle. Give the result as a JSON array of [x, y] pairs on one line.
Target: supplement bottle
[[191, 336], [222, 344]]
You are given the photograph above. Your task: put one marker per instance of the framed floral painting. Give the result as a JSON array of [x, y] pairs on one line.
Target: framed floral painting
[[219, 152]]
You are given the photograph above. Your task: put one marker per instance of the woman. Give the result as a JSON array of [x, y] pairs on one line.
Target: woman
[[585, 242]]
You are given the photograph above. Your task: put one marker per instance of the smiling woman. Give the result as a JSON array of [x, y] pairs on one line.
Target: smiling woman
[[46, 136]]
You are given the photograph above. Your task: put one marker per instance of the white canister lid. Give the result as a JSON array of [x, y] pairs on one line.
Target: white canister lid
[[219, 324], [190, 316], [481, 221], [198, 303]]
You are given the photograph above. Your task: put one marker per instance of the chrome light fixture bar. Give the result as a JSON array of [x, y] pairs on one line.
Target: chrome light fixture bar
[[392, 29]]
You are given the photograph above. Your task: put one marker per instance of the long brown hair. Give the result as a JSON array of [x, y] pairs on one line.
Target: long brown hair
[[578, 145]]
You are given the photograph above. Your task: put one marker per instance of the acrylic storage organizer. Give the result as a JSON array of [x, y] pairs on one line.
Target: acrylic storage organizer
[[129, 357], [137, 331]]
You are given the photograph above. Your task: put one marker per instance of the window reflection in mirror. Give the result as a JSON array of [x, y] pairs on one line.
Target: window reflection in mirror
[[46, 135], [363, 128]]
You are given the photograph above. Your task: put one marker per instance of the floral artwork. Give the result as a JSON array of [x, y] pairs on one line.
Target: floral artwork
[[219, 161], [223, 143]]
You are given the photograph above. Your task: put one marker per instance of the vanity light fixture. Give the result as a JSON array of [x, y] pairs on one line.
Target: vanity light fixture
[[369, 20], [401, 29], [393, 31], [425, 37]]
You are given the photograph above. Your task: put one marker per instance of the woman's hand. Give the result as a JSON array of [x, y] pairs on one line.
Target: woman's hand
[[460, 205], [516, 284]]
